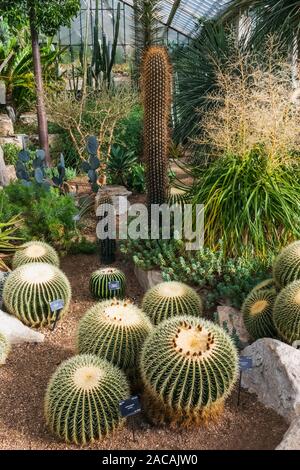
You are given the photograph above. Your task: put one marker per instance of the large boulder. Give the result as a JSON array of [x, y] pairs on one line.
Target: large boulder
[[147, 279], [6, 125], [231, 319], [275, 376], [291, 439], [16, 332]]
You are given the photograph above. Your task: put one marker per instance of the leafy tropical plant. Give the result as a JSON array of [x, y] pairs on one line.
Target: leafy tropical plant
[[136, 178]]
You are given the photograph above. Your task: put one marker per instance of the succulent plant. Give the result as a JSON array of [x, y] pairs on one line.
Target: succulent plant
[[286, 314], [156, 88], [257, 313], [266, 284], [37, 174], [58, 180], [107, 283], [188, 367], [169, 299], [114, 330], [287, 265], [107, 245], [35, 252], [31, 288], [93, 164], [4, 348], [82, 399]]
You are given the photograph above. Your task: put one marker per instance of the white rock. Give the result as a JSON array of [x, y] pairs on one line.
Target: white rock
[[275, 376], [16, 332], [148, 279], [233, 319], [3, 170], [6, 125], [291, 439], [15, 140], [28, 118]]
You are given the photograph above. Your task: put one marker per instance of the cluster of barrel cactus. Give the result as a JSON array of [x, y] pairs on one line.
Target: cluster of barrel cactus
[[272, 309], [35, 252], [30, 290], [107, 283]]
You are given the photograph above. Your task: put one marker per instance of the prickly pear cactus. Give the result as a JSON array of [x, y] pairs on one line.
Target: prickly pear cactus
[[114, 330], [31, 288], [257, 313], [287, 265], [169, 299], [82, 399], [188, 366], [35, 252], [107, 283], [286, 315]]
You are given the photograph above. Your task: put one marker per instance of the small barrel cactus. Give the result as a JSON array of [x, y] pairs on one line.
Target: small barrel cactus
[[257, 313], [31, 288], [266, 284], [108, 283], [169, 299], [35, 252], [114, 330], [4, 348], [287, 265], [82, 399], [188, 367], [286, 314]]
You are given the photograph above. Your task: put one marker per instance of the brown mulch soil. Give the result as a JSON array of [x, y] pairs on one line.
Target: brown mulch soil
[[24, 378]]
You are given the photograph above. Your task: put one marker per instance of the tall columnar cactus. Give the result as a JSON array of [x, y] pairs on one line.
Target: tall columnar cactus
[[107, 283], [35, 252], [188, 367], [169, 299], [286, 315], [31, 288], [4, 348], [287, 265], [107, 244], [114, 330], [257, 313], [156, 88], [82, 399]]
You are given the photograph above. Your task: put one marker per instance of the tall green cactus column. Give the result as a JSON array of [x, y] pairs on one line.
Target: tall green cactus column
[[156, 87]]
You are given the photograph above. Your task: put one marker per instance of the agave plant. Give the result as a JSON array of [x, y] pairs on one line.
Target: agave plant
[[120, 163], [8, 239]]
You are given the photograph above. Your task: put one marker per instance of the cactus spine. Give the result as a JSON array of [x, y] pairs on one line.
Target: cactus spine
[[156, 88], [114, 330], [286, 313], [188, 367], [82, 399], [257, 313], [287, 265], [4, 348], [29, 290], [35, 252], [101, 283], [169, 299]]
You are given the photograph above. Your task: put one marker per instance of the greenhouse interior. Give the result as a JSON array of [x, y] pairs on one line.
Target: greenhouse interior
[[149, 227]]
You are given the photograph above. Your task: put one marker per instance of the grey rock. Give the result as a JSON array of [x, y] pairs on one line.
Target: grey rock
[[291, 439], [3, 170], [233, 319], [6, 125], [148, 279], [275, 376], [28, 119]]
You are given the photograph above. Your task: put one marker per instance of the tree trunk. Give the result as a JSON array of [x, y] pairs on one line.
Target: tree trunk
[[40, 103]]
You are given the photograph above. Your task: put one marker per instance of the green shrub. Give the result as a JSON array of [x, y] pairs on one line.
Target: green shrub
[[10, 153], [128, 132], [47, 215]]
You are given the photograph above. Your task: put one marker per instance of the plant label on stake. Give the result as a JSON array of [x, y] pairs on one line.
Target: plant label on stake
[[245, 363], [56, 306], [130, 407], [114, 285]]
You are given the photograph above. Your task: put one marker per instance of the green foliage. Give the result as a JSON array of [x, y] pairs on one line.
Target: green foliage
[[96, 387], [52, 172], [49, 14], [29, 290], [136, 179], [119, 164], [287, 265], [4, 348], [129, 131], [35, 252], [47, 215], [248, 203], [100, 283], [286, 314], [114, 330], [189, 366], [83, 246], [219, 278], [257, 313], [169, 299], [8, 236], [10, 153]]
